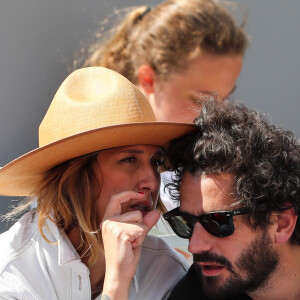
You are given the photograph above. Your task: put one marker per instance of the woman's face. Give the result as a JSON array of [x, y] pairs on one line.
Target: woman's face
[[179, 99], [131, 168]]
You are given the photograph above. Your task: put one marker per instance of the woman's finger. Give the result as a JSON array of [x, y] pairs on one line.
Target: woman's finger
[[130, 216], [114, 206], [151, 219]]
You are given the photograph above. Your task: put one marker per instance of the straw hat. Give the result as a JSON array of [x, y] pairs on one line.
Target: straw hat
[[94, 109]]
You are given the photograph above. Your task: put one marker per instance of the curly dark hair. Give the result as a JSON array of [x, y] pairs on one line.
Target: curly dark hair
[[265, 159]]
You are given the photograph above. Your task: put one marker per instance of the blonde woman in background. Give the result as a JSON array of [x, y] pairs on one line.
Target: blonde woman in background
[[175, 53], [178, 53]]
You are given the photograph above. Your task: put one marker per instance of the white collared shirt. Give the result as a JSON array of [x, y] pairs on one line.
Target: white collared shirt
[[32, 268]]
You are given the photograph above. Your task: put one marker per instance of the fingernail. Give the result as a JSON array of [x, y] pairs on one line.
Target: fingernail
[[141, 193]]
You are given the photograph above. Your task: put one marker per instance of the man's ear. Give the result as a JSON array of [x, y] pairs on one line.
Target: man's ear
[[146, 79], [286, 222]]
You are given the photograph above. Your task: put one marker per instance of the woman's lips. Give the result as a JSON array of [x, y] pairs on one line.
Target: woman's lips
[[143, 206], [211, 268]]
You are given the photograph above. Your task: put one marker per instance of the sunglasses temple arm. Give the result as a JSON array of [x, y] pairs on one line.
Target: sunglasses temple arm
[[240, 211]]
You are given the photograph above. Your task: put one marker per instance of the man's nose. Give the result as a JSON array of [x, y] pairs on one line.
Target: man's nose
[[201, 240]]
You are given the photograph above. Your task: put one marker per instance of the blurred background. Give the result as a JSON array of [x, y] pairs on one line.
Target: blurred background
[[38, 41]]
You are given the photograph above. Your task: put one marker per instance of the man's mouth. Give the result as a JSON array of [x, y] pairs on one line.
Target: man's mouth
[[211, 268]]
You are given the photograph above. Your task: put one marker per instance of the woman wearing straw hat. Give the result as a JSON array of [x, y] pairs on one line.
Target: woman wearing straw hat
[[95, 177]]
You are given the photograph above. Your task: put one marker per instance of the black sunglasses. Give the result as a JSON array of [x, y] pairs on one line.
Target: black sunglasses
[[217, 223]]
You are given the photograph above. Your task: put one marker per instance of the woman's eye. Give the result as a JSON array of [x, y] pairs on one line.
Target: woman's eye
[[130, 159], [197, 100]]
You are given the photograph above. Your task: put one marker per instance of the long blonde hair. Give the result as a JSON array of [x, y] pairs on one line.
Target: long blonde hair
[[166, 36], [65, 196]]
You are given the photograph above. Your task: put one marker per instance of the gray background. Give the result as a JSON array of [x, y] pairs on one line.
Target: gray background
[[38, 39]]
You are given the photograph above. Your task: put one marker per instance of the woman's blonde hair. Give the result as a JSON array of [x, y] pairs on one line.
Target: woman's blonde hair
[[65, 196], [166, 37]]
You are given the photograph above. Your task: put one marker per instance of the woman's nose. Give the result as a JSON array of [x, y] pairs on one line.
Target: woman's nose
[[149, 179]]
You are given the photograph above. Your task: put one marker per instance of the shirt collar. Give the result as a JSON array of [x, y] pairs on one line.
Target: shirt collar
[[66, 251]]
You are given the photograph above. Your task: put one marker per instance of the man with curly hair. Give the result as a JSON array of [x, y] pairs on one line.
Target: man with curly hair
[[238, 181]]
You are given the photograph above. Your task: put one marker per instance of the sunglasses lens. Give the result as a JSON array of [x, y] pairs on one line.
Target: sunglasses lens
[[182, 226], [218, 224]]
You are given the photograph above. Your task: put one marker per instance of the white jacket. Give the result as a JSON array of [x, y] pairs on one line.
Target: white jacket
[[32, 268]]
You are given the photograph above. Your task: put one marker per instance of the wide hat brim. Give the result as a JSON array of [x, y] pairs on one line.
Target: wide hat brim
[[21, 176]]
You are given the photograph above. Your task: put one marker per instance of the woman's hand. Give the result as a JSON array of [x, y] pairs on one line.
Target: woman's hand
[[123, 236]]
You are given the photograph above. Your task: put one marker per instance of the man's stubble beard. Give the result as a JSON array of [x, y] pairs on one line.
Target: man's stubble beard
[[251, 272]]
